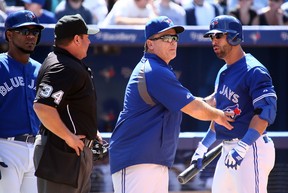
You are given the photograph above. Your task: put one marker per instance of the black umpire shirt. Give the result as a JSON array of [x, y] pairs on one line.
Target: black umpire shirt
[[64, 82]]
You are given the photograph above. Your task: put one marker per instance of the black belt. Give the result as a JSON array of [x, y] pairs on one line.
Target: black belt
[[25, 138]]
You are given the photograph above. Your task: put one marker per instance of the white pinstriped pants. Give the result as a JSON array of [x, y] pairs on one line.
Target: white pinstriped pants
[[142, 178], [252, 175]]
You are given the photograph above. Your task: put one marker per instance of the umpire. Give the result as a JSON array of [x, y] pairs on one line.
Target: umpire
[[66, 106]]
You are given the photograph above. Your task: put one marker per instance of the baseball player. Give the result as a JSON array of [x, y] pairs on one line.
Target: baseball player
[[19, 123], [243, 87], [144, 142]]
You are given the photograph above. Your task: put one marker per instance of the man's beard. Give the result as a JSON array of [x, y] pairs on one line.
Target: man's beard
[[25, 51]]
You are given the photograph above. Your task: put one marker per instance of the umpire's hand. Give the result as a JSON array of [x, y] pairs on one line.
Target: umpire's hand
[[3, 165]]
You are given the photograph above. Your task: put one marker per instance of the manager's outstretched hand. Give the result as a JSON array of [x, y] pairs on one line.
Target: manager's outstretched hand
[[224, 119]]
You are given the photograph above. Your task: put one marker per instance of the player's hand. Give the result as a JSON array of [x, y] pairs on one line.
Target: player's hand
[[235, 157], [199, 155], [224, 119], [2, 164]]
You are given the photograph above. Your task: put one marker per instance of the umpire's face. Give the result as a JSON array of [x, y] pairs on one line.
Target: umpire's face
[[164, 45], [83, 44]]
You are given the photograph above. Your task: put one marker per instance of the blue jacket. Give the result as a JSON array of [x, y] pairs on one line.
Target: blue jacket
[[148, 133]]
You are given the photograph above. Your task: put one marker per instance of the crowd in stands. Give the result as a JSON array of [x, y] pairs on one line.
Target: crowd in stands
[[137, 12]]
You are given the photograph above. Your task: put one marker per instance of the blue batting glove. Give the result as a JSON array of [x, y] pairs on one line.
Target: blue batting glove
[[199, 155], [235, 157], [3, 165]]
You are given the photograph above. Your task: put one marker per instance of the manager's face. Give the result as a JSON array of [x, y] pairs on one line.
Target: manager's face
[[164, 45]]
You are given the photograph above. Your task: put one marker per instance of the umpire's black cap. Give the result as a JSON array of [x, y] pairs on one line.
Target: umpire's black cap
[[71, 25]]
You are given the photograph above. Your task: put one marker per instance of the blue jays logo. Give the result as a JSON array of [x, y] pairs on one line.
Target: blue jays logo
[[255, 37], [30, 16], [168, 21], [213, 23], [234, 110]]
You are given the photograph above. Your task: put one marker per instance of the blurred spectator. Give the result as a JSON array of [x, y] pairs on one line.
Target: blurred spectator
[[11, 6], [273, 14], [3, 14], [245, 13], [284, 8], [222, 6], [36, 6], [54, 4], [45, 17], [130, 12], [172, 10], [3, 5], [19, 3], [201, 12], [98, 9], [256, 5], [74, 7]]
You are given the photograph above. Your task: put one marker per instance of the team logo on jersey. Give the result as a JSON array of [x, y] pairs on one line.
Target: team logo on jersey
[[234, 110]]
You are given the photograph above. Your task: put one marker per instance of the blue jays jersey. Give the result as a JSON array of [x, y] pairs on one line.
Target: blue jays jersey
[[17, 92], [239, 88], [147, 133]]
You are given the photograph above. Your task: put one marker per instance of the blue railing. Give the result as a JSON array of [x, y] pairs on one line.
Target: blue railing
[[192, 36]]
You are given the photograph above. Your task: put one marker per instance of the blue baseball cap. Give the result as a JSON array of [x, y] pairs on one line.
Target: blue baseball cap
[[160, 24]]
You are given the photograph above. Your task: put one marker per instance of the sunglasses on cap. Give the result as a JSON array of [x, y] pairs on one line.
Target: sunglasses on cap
[[217, 35], [167, 38], [26, 31]]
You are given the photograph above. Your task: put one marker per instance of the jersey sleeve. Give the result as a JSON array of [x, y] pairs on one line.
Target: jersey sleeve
[[261, 85], [163, 86], [54, 85]]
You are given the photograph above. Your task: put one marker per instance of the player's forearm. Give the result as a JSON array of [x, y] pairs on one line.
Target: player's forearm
[[201, 110], [50, 118], [258, 124], [130, 21]]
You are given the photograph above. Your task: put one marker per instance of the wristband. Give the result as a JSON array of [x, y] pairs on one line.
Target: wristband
[[209, 138], [251, 136]]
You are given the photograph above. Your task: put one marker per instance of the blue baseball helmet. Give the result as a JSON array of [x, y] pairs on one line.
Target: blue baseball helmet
[[20, 19], [227, 24]]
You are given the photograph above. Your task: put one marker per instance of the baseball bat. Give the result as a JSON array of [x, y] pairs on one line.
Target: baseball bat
[[192, 170]]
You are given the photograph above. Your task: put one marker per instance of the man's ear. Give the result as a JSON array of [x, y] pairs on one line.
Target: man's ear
[[8, 35], [76, 39], [149, 44]]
